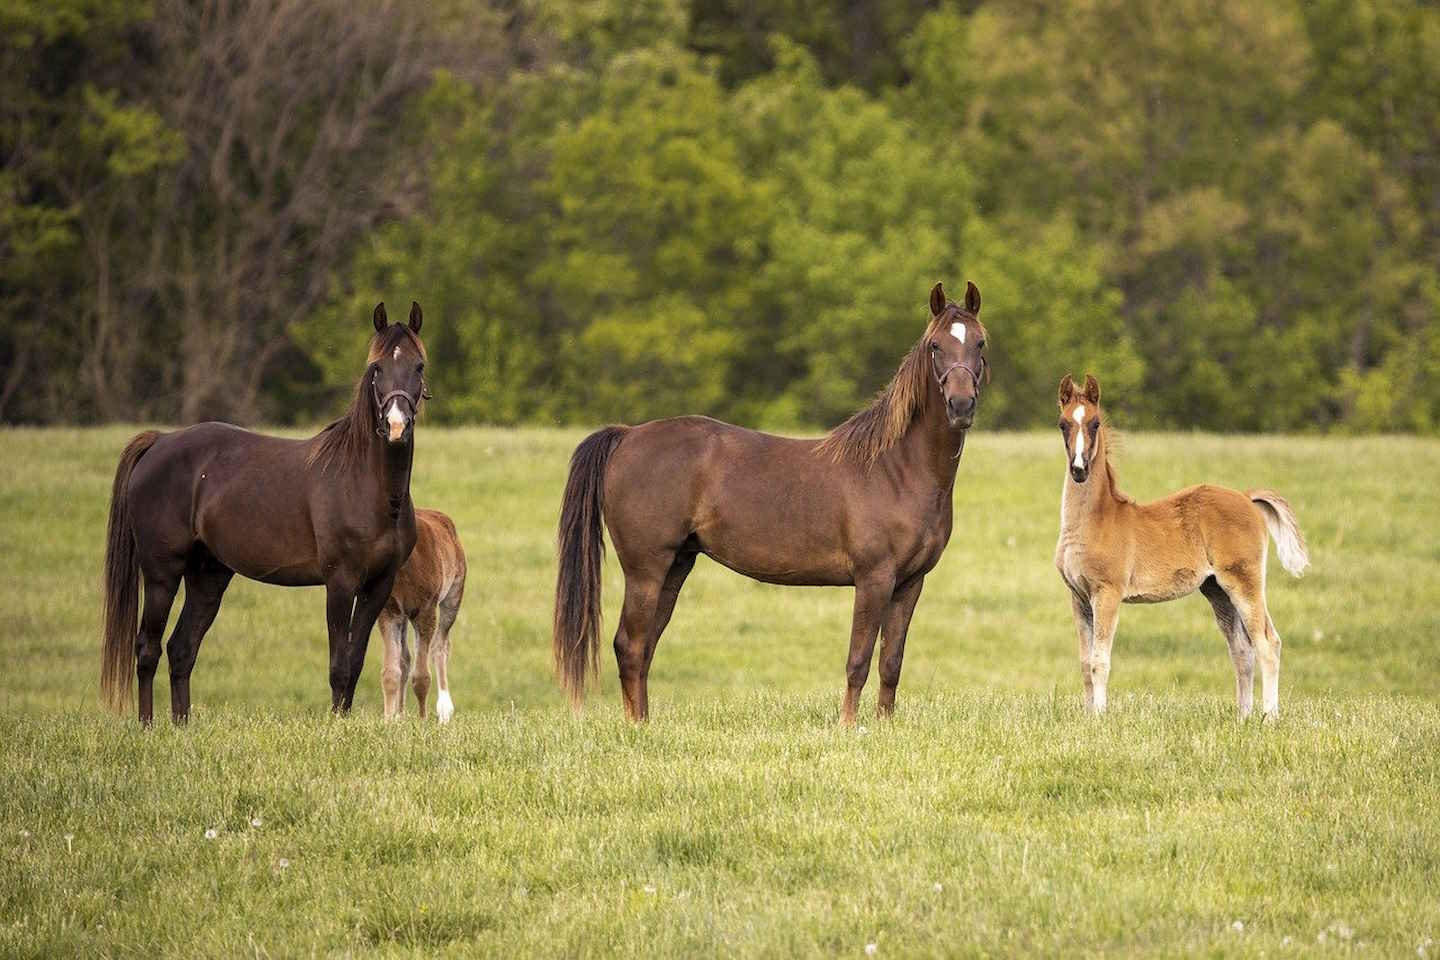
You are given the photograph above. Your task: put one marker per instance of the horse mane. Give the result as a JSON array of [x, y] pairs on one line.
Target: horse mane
[[344, 439], [1114, 442], [875, 429]]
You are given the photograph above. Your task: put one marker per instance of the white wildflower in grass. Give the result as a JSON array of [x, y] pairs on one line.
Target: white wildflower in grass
[[650, 889], [937, 888], [1317, 635], [1423, 950], [256, 823], [24, 834], [283, 864], [863, 731], [1286, 940], [871, 949], [1238, 926], [211, 834]]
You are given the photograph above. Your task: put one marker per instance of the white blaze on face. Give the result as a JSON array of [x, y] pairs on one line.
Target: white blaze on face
[[396, 420], [1079, 417], [957, 330]]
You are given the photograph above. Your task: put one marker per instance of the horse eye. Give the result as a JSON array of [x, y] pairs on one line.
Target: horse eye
[[980, 345], [934, 345]]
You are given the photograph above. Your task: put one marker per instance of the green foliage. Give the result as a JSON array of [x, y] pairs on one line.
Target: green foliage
[[1226, 211]]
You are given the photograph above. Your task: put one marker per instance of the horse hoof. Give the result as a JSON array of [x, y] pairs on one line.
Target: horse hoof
[[444, 707]]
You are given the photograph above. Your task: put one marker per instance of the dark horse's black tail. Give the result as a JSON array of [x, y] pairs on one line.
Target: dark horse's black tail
[[582, 554], [122, 575]]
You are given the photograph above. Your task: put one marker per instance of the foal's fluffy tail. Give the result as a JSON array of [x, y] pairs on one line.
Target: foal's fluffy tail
[[576, 643], [1280, 518], [122, 575]]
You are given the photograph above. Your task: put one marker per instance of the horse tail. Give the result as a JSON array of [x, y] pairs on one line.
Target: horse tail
[[576, 642], [122, 575], [1280, 519]]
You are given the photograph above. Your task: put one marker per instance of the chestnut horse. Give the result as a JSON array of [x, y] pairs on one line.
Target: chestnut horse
[[1113, 550], [212, 500], [868, 505], [427, 593]]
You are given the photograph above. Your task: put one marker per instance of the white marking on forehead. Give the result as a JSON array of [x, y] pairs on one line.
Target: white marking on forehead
[[1079, 414], [957, 330], [1079, 417], [397, 351]]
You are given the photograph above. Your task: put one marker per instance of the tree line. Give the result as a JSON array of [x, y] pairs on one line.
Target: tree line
[[612, 210]]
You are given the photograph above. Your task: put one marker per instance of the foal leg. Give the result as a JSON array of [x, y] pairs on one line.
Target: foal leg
[[1085, 630], [1246, 589], [392, 673], [420, 680], [427, 632], [1242, 651], [1105, 610], [160, 588], [872, 596], [892, 642], [205, 583], [445, 614]]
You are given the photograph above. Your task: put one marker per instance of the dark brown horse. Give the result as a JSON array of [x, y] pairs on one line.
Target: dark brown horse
[[212, 500], [868, 506]]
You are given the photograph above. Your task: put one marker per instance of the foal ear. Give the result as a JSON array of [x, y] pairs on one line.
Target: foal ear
[[415, 317], [380, 319], [1092, 389], [972, 297], [937, 299], [1067, 389]]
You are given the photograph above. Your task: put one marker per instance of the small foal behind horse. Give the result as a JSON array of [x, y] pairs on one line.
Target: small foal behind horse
[[427, 593], [1113, 550]]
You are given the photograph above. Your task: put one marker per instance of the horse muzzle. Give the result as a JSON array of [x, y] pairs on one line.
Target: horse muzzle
[[960, 411], [1079, 474]]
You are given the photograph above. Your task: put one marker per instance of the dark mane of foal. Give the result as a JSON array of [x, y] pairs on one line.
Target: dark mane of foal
[[344, 439], [878, 427]]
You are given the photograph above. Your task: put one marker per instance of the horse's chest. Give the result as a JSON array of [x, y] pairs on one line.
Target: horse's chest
[[1071, 561]]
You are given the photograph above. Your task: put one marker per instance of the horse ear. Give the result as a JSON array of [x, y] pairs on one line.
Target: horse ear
[[380, 319], [972, 297], [415, 317], [1067, 389], [937, 299], [1092, 389]]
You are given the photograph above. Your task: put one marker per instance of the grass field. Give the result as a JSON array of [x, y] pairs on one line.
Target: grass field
[[990, 816]]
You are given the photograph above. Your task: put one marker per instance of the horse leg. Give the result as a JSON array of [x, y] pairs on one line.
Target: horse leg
[[1242, 651], [892, 642], [872, 596], [1105, 610], [404, 665], [160, 589], [665, 606], [632, 640], [1245, 585], [392, 674], [339, 607], [368, 603], [1085, 630], [205, 583]]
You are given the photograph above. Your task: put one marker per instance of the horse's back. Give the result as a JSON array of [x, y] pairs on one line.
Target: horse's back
[[436, 566], [763, 505]]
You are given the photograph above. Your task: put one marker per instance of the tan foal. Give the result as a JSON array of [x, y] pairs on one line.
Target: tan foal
[[427, 593], [1113, 550]]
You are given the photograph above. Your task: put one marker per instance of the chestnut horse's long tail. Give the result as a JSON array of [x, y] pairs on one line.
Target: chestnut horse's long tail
[[122, 575], [576, 643], [1280, 519]]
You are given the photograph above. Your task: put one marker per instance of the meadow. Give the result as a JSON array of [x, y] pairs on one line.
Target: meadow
[[990, 816]]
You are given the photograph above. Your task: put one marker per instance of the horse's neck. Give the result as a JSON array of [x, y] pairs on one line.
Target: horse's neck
[[394, 462], [1083, 504], [930, 447]]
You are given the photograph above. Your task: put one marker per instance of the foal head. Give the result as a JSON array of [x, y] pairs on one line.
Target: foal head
[[396, 374], [1080, 424], [957, 353]]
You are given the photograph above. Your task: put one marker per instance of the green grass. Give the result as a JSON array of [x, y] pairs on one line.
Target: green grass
[[990, 816]]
